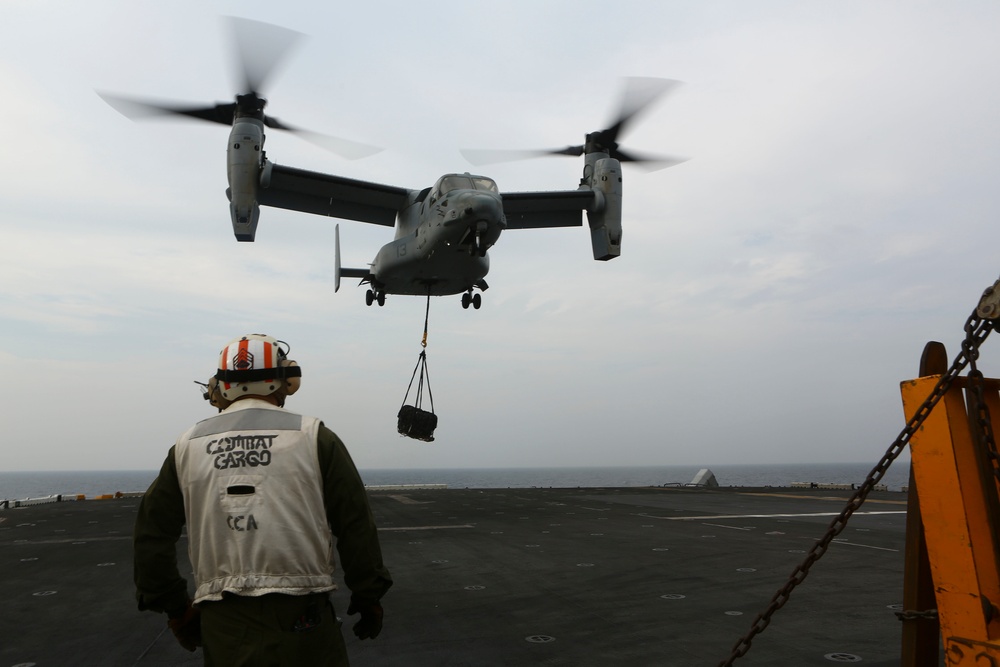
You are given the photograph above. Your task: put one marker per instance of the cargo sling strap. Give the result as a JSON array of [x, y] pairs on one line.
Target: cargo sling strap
[[415, 422]]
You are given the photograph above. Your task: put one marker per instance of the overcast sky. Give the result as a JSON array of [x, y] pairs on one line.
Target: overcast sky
[[839, 209]]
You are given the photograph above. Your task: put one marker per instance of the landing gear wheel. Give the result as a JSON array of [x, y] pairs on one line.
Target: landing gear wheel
[[467, 300], [380, 297], [369, 297], [477, 300]]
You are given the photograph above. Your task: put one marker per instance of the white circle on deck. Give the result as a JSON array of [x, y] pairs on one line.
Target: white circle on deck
[[673, 596], [104, 564], [842, 657], [734, 613], [28, 560], [42, 594], [660, 549], [746, 569], [585, 565], [475, 588], [539, 639]]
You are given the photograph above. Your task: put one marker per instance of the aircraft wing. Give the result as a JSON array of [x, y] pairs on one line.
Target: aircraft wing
[[534, 210], [334, 196]]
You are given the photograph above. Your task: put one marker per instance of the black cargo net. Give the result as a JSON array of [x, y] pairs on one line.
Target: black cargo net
[[413, 421]]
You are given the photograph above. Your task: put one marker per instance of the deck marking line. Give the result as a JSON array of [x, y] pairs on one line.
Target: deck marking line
[[866, 546], [759, 516], [74, 540], [719, 525], [406, 500], [837, 498], [383, 530]]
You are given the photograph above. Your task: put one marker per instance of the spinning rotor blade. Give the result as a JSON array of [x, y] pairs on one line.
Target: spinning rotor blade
[[479, 156], [140, 109], [648, 161], [639, 94], [345, 148], [645, 161], [259, 48]]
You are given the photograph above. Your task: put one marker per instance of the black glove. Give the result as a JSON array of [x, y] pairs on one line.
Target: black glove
[[186, 626], [371, 618]]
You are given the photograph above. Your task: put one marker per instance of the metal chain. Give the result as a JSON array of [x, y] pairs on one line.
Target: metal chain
[[984, 422], [982, 416], [976, 332], [911, 615]]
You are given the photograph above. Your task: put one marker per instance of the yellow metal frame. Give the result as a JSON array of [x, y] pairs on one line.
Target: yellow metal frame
[[959, 504]]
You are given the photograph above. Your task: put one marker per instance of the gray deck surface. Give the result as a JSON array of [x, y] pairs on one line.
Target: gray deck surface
[[633, 576]]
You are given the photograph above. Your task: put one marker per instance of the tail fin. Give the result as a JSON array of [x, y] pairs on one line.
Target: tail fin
[[336, 260], [339, 271]]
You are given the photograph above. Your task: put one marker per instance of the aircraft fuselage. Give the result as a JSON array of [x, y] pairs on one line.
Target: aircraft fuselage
[[441, 240]]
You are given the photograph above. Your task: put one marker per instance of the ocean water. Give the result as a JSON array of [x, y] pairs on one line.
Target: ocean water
[[21, 485]]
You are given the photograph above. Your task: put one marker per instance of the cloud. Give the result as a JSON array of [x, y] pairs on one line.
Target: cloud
[[836, 213]]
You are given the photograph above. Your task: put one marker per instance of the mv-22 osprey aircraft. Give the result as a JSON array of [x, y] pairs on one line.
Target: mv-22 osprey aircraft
[[442, 233]]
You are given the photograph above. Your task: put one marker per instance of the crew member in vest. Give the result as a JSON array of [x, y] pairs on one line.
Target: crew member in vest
[[264, 492]]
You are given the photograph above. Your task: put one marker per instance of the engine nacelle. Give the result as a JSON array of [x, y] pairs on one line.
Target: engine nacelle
[[245, 157], [605, 216]]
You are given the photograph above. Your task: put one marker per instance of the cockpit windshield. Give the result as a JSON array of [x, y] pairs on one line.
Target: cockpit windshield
[[467, 182], [485, 184]]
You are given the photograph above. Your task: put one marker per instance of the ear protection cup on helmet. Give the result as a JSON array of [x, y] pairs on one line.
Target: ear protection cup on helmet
[[214, 395], [293, 383]]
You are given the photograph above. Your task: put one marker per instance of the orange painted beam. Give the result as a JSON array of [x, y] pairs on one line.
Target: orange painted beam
[[943, 509]]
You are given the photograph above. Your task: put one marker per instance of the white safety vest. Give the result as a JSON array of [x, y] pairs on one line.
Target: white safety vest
[[253, 499]]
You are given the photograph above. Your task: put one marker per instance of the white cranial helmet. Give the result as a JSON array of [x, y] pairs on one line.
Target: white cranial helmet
[[256, 365]]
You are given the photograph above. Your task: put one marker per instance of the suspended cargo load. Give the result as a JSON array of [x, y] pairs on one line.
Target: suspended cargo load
[[416, 423], [413, 421]]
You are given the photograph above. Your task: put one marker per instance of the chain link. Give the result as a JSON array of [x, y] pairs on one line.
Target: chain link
[[911, 615], [982, 416], [976, 332]]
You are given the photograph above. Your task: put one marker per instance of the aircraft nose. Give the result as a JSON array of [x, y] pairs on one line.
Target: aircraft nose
[[481, 206]]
